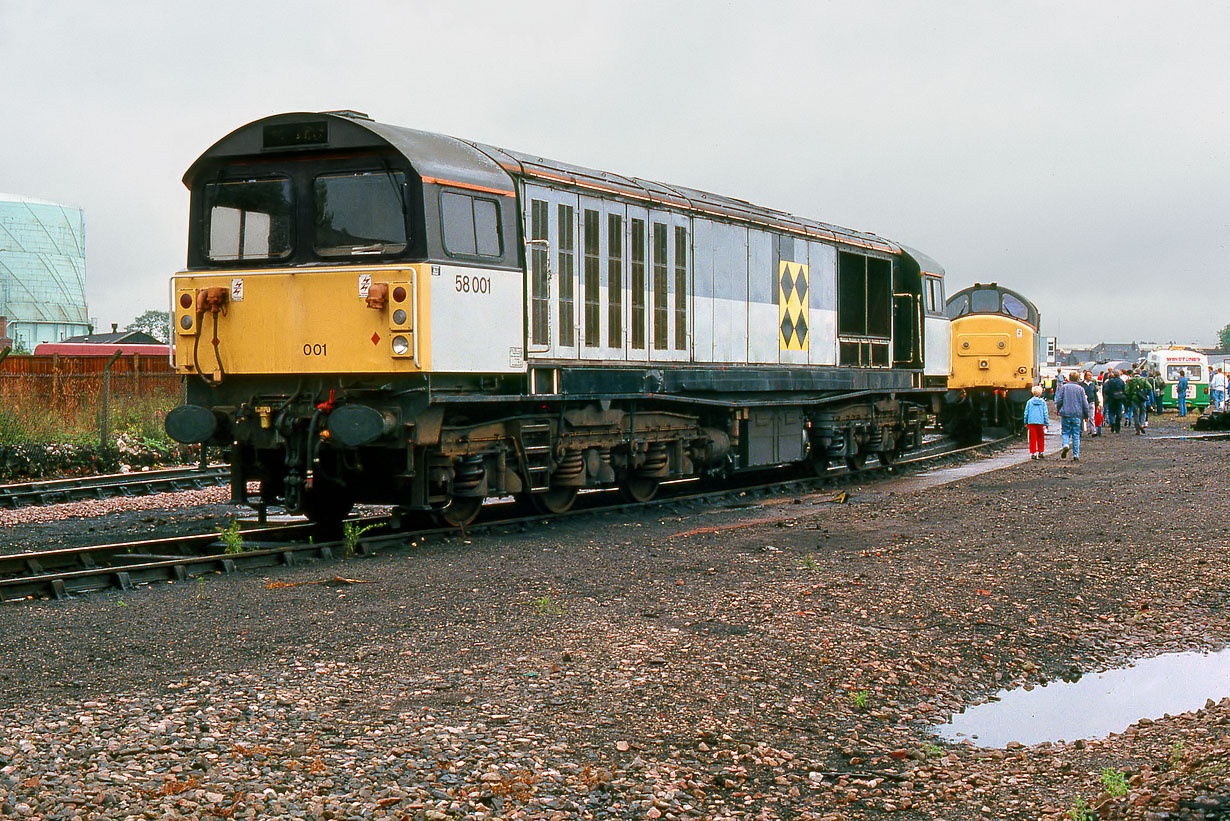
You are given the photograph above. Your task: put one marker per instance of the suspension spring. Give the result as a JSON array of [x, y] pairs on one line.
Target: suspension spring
[[571, 470], [469, 474], [656, 460]]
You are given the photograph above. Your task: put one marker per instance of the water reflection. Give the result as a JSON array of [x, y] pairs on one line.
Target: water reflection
[[1097, 704]]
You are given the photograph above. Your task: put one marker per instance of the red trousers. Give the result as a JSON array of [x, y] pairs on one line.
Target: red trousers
[[1037, 437]]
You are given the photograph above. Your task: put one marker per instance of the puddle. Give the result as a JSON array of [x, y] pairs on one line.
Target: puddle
[[1097, 704], [1215, 437]]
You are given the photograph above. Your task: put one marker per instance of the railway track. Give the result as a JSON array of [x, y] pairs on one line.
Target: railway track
[[57, 491], [62, 574]]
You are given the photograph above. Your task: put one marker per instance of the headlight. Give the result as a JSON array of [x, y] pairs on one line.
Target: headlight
[[400, 345], [185, 322], [399, 317]]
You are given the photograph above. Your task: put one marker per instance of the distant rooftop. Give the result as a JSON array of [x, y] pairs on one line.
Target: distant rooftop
[[130, 337]]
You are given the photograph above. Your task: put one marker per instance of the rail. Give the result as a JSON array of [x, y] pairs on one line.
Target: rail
[[57, 491], [61, 574]]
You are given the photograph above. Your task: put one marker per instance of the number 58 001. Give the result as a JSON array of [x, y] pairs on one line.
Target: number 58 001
[[466, 284]]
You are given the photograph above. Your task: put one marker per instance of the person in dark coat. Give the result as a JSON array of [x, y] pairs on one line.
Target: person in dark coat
[[1114, 392], [1159, 391], [1138, 392]]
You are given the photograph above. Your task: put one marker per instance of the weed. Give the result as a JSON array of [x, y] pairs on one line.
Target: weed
[[1080, 811], [809, 563], [859, 698], [1221, 768], [546, 607], [133, 421], [138, 422], [1116, 784], [1177, 753], [932, 751], [121, 603], [351, 533], [231, 538]]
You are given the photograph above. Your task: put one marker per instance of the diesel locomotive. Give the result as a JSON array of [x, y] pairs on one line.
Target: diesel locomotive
[[376, 314], [995, 355]]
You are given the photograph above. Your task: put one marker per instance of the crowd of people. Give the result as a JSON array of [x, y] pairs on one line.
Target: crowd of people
[[1119, 397]]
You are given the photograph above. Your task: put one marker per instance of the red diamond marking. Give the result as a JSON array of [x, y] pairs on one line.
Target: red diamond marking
[[375, 339]]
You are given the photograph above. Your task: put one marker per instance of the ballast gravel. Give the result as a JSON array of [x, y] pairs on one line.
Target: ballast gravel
[[244, 746], [94, 508], [774, 658]]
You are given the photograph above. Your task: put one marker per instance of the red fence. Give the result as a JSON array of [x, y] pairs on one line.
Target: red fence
[[65, 381]]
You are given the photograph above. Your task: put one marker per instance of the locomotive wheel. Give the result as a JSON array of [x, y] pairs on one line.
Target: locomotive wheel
[[271, 490], [887, 457], [817, 462], [639, 489], [460, 511], [327, 504], [857, 461], [556, 499]]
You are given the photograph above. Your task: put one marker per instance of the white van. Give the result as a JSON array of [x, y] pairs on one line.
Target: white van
[[1170, 362]]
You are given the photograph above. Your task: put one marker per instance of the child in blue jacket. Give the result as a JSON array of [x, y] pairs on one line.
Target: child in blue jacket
[[1037, 419]]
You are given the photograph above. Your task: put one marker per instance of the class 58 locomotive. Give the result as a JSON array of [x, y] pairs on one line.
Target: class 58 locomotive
[[376, 314]]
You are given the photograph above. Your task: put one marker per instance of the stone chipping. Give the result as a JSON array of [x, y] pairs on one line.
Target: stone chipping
[[778, 658]]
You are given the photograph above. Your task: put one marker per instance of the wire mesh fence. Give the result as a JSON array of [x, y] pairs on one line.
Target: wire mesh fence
[[79, 399]]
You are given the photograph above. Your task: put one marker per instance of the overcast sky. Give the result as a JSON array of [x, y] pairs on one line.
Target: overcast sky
[[1076, 152]]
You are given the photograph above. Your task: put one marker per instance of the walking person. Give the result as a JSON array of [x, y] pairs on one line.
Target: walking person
[[1073, 405], [1159, 392], [1091, 390], [1129, 409], [1138, 391], [1180, 393], [1217, 390], [1037, 420], [1113, 394]]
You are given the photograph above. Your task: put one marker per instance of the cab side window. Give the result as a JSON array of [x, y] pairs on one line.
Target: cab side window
[[934, 296], [471, 225]]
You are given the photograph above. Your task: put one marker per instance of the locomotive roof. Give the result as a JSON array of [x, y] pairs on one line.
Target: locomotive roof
[[992, 286], [435, 157], [953, 308], [441, 159], [925, 263]]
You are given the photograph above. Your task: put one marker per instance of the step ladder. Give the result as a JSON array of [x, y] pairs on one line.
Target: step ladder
[[536, 450]]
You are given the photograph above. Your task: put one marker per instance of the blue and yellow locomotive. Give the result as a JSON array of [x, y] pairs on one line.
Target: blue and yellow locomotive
[[376, 314]]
